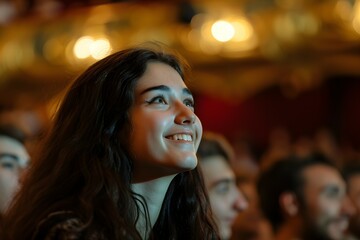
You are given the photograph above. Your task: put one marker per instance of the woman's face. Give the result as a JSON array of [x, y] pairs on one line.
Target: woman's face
[[165, 131]]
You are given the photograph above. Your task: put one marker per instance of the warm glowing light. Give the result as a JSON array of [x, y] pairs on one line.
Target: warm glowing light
[[290, 26], [243, 30], [356, 25], [343, 8], [285, 28], [87, 46], [224, 36], [100, 48], [206, 32], [356, 19], [222, 31], [209, 47], [82, 47]]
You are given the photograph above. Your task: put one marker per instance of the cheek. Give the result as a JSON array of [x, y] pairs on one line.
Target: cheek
[[214, 203], [199, 132], [147, 121], [220, 202], [314, 207], [329, 207], [8, 181], [147, 130]]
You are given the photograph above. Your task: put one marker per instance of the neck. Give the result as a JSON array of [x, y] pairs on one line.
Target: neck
[[153, 193]]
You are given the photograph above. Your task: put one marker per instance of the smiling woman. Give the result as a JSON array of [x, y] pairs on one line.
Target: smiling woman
[[167, 143], [120, 159]]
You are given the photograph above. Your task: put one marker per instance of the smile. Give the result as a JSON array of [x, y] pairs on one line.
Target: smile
[[184, 137]]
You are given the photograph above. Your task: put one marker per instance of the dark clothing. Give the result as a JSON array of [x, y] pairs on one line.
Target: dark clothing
[[62, 226]]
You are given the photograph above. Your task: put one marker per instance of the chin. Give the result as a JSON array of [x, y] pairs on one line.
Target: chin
[[225, 234], [184, 168], [190, 163]]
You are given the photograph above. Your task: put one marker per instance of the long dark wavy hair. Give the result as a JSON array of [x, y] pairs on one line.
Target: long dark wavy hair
[[85, 166]]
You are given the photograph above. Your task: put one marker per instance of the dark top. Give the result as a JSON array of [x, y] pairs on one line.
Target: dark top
[[62, 226]]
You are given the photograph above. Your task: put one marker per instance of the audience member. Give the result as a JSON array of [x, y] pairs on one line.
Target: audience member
[[14, 159], [305, 199], [215, 154], [120, 159]]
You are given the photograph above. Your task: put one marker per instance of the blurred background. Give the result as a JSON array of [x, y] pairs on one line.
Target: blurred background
[[268, 74]]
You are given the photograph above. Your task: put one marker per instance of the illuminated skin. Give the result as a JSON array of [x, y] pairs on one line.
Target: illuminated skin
[[164, 138], [327, 208], [13, 160], [165, 131], [225, 199]]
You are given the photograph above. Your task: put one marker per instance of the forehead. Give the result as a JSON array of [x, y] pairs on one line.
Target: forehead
[[320, 175], [215, 168], [7, 143], [158, 73]]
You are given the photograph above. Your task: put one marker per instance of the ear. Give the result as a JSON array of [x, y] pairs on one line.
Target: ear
[[289, 204]]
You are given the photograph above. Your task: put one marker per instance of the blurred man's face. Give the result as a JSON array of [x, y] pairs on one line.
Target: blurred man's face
[[326, 207], [13, 160], [354, 195], [225, 199]]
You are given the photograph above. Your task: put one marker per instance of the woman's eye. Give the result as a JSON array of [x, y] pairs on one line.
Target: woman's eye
[[158, 99], [190, 103], [8, 164]]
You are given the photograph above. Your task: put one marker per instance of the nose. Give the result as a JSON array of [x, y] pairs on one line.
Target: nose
[[241, 202], [184, 114]]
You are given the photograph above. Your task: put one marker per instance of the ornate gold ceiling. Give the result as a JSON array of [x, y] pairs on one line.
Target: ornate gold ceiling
[[236, 48]]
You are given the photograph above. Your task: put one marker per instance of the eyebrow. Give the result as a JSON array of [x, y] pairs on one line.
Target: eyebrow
[[9, 155], [164, 88]]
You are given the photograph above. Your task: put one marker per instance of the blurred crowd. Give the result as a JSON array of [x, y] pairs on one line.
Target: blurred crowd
[[305, 188]]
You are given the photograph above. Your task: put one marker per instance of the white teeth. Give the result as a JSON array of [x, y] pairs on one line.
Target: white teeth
[[184, 137]]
